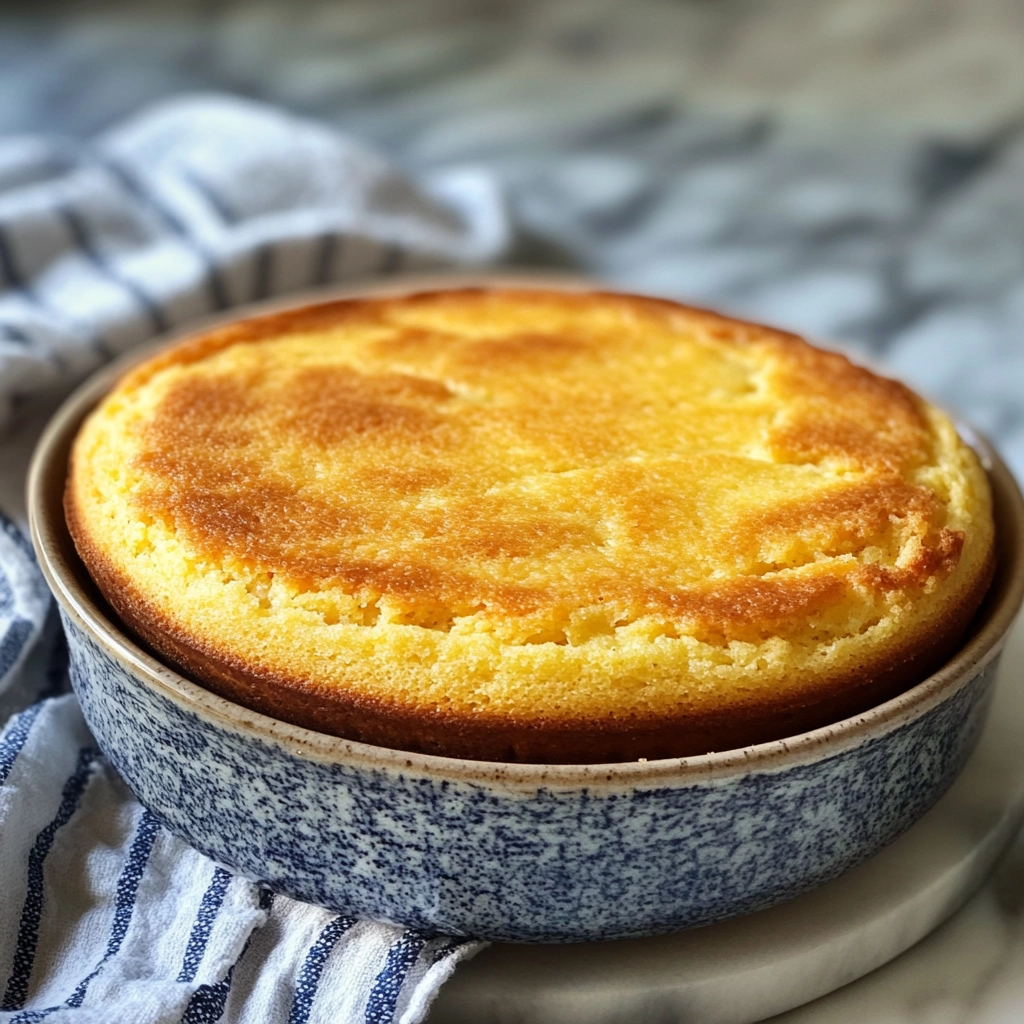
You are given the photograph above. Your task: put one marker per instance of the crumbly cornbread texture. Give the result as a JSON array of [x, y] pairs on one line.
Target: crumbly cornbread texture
[[534, 526]]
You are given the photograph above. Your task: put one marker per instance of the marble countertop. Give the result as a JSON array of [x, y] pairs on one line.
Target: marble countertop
[[852, 170]]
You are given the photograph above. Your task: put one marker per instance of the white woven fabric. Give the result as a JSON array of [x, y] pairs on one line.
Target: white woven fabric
[[195, 206]]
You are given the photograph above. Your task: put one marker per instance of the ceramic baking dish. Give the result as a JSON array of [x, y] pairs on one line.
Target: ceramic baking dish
[[514, 852]]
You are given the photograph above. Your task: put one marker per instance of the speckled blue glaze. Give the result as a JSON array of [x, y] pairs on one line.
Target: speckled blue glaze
[[497, 859]]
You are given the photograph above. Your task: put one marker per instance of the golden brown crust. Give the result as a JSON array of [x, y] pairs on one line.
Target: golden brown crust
[[869, 530], [232, 507]]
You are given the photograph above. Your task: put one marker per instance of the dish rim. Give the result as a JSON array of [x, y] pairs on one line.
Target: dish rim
[[62, 569]]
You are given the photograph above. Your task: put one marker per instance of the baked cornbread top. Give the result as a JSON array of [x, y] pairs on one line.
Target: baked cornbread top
[[531, 507]]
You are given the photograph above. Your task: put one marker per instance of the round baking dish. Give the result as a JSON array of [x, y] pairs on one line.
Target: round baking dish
[[529, 853]]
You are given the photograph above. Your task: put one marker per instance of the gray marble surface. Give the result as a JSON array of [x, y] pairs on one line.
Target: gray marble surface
[[853, 169]]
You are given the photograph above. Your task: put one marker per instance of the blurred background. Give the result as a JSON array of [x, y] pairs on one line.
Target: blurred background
[[848, 168]]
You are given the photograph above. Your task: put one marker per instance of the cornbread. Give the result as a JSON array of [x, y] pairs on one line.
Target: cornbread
[[536, 526]]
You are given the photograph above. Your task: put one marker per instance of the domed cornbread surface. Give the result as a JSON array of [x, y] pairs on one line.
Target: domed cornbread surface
[[531, 526]]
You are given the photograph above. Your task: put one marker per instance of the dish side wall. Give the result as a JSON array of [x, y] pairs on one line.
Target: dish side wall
[[554, 864]]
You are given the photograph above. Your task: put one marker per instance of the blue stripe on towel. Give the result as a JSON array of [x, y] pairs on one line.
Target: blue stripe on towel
[[28, 929], [124, 901], [387, 986], [216, 201], [8, 267], [152, 202], [208, 1001], [56, 679], [31, 1016], [127, 887], [14, 737], [17, 281], [326, 253], [15, 334], [7, 601], [79, 231], [263, 272], [12, 643], [308, 981], [391, 260], [209, 907], [21, 337]]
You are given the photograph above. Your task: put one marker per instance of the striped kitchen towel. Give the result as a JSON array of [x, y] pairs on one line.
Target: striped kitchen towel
[[193, 207], [106, 916]]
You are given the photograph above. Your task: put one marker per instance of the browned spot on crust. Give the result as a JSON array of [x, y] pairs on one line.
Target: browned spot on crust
[[328, 316], [861, 514], [854, 513], [844, 412], [422, 586], [206, 475], [414, 342], [333, 405], [763, 602], [506, 353], [498, 527], [213, 412], [935, 560]]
